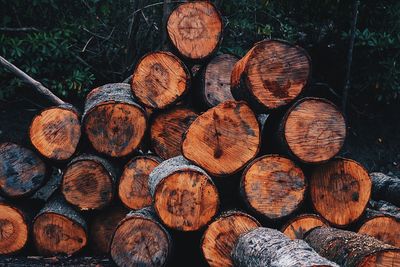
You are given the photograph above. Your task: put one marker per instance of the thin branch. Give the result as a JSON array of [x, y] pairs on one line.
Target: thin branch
[[350, 55], [29, 80], [23, 29], [156, 4]]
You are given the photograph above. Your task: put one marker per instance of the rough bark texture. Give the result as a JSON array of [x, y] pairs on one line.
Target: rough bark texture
[[195, 29], [386, 188], [221, 235], [39, 261], [184, 196], [22, 172], [272, 74], [159, 80], [59, 229], [340, 191], [50, 187], [297, 227], [113, 122], [140, 240], [223, 139], [350, 249], [269, 247], [88, 182], [385, 207], [273, 186], [55, 132]]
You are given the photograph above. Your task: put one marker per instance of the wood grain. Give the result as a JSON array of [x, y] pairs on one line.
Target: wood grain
[[300, 225]]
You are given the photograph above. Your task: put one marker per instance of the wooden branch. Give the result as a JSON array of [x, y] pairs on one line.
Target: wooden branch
[[32, 82], [23, 29]]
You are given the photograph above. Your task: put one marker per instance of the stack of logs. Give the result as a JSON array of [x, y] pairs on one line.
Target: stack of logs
[[198, 154]]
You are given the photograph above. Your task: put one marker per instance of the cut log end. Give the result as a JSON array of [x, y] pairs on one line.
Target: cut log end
[[273, 186], [22, 172], [272, 74], [314, 130], [13, 230], [221, 235], [340, 191], [167, 131], [223, 139], [55, 132], [159, 80], [133, 187], [384, 228], [298, 226], [195, 29]]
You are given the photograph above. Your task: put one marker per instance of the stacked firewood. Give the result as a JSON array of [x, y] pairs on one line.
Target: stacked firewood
[[202, 146]]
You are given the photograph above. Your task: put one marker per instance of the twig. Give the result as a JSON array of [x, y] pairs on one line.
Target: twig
[[156, 4], [350, 55], [87, 43], [29, 80], [23, 29]]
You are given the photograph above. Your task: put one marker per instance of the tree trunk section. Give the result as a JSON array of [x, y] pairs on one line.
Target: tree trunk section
[[273, 186], [133, 188], [56, 132], [272, 74], [384, 207], [184, 196], [350, 249], [159, 80], [140, 240], [340, 191], [59, 229], [195, 29], [269, 247], [223, 139], [221, 235], [297, 227], [22, 172], [167, 129], [386, 188], [113, 122]]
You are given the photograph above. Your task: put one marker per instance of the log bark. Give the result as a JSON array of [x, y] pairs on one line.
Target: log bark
[[386, 188], [49, 188], [159, 80], [273, 186], [269, 247], [113, 122], [22, 172], [40, 261], [351, 249], [184, 196], [313, 130], [221, 235], [223, 139], [88, 182], [340, 191], [133, 188], [272, 74], [59, 229], [55, 132], [384, 207], [298, 226], [167, 129], [195, 29], [140, 240]]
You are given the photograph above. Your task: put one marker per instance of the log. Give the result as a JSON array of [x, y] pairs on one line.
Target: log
[[272, 74], [269, 247], [385, 207], [55, 132], [313, 130], [221, 235], [184, 196], [140, 240], [195, 29], [385, 187], [40, 261], [22, 172], [59, 229], [88, 182], [102, 228], [14, 228], [167, 129], [133, 188], [273, 186], [223, 139], [301, 224], [113, 122], [351, 249], [44, 193], [159, 80], [340, 191], [215, 80]]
